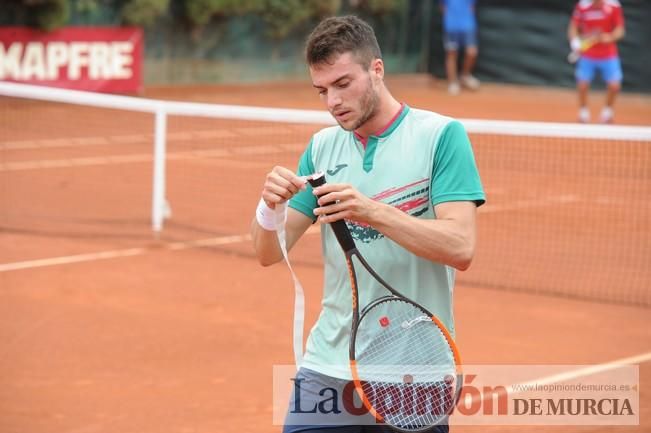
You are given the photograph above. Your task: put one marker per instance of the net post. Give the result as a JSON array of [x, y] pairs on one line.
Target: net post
[[158, 189]]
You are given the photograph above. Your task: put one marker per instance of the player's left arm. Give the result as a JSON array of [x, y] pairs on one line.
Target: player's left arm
[[614, 36], [448, 239], [456, 192], [618, 31]]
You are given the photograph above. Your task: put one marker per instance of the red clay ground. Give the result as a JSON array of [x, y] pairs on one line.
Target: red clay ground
[[184, 340]]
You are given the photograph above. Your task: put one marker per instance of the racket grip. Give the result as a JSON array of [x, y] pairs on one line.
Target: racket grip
[[339, 227]]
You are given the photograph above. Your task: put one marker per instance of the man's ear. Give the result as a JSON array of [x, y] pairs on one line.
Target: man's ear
[[377, 68]]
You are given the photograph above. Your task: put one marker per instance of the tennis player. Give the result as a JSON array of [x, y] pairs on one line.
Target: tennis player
[[407, 184], [601, 24]]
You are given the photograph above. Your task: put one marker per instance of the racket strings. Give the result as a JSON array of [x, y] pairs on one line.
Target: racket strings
[[406, 365], [407, 335], [411, 406]]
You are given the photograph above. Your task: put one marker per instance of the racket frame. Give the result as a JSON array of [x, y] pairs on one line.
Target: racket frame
[[345, 239]]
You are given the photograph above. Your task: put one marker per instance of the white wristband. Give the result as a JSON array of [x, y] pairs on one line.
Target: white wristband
[[268, 218], [575, 44]]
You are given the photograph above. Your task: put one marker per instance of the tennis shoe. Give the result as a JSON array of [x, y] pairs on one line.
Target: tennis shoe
[[470, 82], [607, 115], [584, 115], [454, 88]]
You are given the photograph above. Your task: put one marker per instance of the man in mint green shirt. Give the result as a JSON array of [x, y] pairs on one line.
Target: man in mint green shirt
[[405, 181]]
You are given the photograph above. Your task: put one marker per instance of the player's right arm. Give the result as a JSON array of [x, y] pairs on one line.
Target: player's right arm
[[280, 185], [573, 29]]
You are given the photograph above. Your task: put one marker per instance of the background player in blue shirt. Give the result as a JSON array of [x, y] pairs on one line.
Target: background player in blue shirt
[[460, 31]]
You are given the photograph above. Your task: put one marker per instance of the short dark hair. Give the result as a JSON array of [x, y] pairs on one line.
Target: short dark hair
[[339, 35]]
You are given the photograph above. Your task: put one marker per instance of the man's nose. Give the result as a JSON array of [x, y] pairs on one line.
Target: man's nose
[[334, 100]]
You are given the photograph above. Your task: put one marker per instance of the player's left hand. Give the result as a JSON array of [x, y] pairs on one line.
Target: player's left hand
[[346, 203]]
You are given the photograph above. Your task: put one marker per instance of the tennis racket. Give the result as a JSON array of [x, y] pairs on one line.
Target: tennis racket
[[586, 42], [405, 365]]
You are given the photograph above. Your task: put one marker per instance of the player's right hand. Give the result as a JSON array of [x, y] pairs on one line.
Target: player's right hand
[[280, 185]]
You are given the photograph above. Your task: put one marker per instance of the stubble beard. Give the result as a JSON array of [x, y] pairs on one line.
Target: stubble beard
[[369, 103]]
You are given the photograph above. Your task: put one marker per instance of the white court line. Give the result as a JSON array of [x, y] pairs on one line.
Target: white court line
[[130, 252], [176, 246], [145, 139], [582, 372], [112, 254], [147, 157], [569, 375], [30, 264], [529, 204]]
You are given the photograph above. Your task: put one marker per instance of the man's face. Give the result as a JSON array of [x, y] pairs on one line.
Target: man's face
[[349, 91]]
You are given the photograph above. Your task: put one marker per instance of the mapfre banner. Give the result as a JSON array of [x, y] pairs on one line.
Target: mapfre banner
[[100, 59]]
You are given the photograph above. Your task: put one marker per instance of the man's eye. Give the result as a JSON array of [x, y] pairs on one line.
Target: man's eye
[[343, 85], [323, 92]]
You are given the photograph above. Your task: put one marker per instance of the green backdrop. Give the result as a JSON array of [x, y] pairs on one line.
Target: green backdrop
[[520, 42], [525, 42]]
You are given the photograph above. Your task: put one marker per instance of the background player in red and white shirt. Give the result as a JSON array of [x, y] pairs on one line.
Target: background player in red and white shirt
[[594, 30]]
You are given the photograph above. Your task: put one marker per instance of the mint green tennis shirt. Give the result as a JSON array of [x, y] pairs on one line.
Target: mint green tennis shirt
[[422, 159]]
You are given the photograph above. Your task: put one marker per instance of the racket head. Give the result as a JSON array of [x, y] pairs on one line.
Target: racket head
[[405, 365], [573, 57]]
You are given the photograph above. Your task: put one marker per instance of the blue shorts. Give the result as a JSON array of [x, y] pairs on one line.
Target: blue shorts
[[453, 40], [610, 69], [317, 406]]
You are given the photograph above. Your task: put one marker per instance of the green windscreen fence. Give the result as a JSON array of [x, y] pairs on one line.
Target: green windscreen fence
[[521, 42], [524, 42]]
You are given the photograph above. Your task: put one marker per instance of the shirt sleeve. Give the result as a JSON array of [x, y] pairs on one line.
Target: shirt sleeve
[[618, 16], [304, 201], [576, 16], [455, 176]]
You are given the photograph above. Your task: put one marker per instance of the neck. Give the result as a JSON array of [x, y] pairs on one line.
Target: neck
[[387, 108]]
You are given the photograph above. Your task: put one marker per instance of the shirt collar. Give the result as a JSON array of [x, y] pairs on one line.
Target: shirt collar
[[389, 127]]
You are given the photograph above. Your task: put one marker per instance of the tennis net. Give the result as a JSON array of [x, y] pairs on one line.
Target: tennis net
[[568, 209]]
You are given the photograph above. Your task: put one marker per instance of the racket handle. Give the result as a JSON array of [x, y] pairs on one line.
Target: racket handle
[[339, 227]]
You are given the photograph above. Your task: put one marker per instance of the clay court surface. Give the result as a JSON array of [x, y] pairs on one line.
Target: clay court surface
[[105, 329]]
